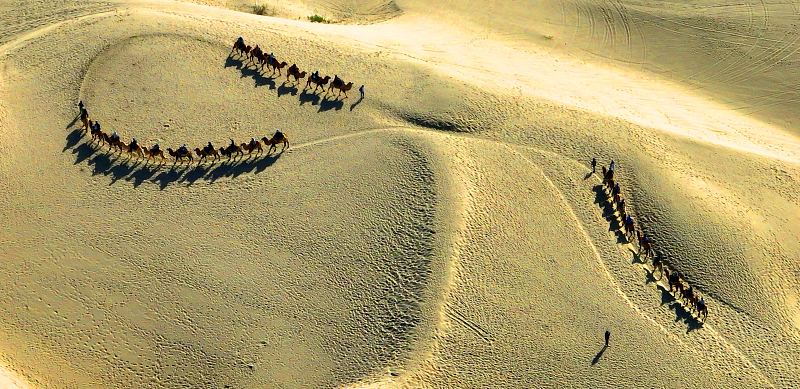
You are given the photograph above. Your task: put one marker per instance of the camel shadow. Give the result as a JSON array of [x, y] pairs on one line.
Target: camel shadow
[[143, 174], [352, 106], [195, 174], [255, 74], [306, 97], [167, 177], [246, 165], [327, 104], [609, 213], [599, 354], [287, 90], [666, 296], [82, 152], [650, 276], [73, 137], [681, 313]]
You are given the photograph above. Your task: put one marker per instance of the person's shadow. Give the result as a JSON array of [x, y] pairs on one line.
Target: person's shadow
[[356, 103], [599, 354]]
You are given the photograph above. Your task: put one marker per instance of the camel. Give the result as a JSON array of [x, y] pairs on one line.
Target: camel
[[180, 156], [342, 88], [118, 144], [242, 49], [231, 150], [607, 174], [675, 280], [136, 149], [96, 134], [256, 53], [646, 248], [688, 295], [610, 184], [205, 152], [319, 81], [295, 72], [617, 199], [256, 146], [273, 142], [277, 65], [657, 263], [702, 310], [152, 153], [629, 228]]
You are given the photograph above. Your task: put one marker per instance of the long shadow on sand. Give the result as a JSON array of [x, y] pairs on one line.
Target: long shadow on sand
[[122, 166], [609, 213], [599, 354], [248, 69], [602, 199], [681, 314]]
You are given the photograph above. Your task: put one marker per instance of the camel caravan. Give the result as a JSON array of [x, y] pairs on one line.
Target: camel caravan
[[682, 290], [257, 57], [182, 153]]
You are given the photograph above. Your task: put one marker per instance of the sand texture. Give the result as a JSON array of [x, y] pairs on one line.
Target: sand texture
[[445, 231]]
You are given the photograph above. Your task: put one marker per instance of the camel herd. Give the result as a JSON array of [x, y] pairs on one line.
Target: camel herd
[[257, 57], [682, 289], [231, 151]]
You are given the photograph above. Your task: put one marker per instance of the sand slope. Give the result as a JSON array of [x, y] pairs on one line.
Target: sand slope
[[443, 232]]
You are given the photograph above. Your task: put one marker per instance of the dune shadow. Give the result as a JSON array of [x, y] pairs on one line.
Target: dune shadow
[[352, 106], [599, 354]]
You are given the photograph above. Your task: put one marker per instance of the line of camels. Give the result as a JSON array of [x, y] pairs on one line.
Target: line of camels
[[256, 56], [231, 151], [682, 289]]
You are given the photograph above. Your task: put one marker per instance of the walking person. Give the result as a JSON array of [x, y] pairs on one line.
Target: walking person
[[361, 89], [594, 165], [608, 335], [80, 106]]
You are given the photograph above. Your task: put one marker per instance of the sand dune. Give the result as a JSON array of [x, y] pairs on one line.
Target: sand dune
[[442, 232]]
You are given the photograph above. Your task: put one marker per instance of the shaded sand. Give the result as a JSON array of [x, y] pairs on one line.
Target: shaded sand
[[443, 232]]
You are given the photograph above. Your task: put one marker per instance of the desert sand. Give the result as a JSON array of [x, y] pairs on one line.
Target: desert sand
[[446, 231]]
